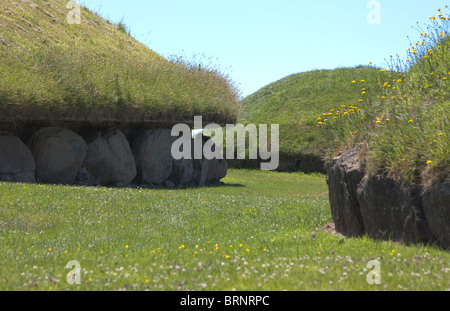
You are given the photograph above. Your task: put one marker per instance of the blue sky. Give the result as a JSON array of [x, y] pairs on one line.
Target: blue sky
[[258, 42]]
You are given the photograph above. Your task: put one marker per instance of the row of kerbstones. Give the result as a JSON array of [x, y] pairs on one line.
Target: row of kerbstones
[[60, 156]]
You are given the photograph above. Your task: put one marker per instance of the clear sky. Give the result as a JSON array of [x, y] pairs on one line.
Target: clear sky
[[258, 42]]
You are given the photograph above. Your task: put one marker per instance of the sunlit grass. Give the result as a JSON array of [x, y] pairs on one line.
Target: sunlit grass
[[258, 232], [404, 115], [96, 71]]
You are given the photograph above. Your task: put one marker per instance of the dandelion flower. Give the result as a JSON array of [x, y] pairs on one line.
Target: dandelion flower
[[410, 121], [440, 134], [429, 162]]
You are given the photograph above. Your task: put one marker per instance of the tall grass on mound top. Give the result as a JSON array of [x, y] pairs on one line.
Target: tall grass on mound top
[[404, 117], [50, 69]]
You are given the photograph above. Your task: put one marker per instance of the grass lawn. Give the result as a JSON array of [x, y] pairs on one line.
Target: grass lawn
[[258, 232]]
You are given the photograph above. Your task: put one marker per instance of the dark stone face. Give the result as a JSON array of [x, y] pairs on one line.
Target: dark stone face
[[384, 208]]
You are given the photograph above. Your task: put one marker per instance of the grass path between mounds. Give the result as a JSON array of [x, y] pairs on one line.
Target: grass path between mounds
[[260, 231]]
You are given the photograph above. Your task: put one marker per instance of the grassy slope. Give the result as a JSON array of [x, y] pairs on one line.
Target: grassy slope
[[50, 69], [296, 101], [258, 232], [401, 113]]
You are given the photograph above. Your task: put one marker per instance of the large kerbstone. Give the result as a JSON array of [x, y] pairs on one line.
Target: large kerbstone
[[391, 210], [436, 205], [59, 154], [16, 161], [344, 175], [183, 172], [153, 156], [383, 207], [208, 171], [109, 160]]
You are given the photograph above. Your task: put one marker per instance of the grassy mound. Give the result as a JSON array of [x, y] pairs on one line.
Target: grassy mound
[[404, 116], [295, 102], [401, 113], [93, 71]]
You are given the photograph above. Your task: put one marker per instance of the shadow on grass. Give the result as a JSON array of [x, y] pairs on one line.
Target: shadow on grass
[[133, 186]]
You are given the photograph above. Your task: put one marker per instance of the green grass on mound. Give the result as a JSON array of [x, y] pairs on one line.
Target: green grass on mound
[[404, 116], [296, 101], [400, 113], [95, 70], [258, 232]]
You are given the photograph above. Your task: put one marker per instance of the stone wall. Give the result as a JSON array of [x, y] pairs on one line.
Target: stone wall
[[106, 157], [384, 208]]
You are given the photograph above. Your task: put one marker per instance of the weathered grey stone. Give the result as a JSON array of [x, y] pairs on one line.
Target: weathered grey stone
[[382, 207], [218, 169], [183, 172], [109, 160], [16, 161], [208, 171], [169, 184], [59, 154], [436, 205], [344, 174], [153, 156], [84, 178], [391, 210]]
